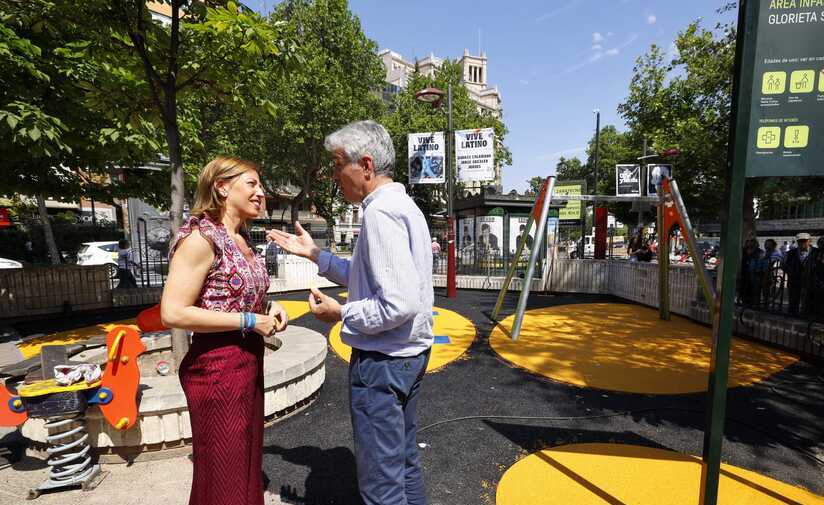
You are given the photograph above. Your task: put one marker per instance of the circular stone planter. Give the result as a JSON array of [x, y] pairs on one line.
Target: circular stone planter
[[293, 372]]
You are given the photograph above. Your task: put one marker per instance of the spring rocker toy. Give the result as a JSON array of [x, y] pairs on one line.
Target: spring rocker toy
[[64, 407]]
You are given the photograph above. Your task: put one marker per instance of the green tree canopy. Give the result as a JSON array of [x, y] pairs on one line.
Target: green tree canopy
[[407, 115], [337, 81]]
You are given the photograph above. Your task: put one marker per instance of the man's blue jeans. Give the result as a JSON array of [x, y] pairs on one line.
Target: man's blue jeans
[[383, 396]]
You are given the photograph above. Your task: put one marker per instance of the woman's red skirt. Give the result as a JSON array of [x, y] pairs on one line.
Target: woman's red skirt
[[222, 377]]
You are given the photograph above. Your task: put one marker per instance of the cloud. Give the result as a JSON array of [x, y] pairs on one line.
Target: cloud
[[597, 38], [564, 152], [524, 82], [560, 10], [651, 19], [596, 53]]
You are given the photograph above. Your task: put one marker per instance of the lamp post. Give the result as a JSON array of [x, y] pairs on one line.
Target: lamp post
[[435, 97], [597, 145]]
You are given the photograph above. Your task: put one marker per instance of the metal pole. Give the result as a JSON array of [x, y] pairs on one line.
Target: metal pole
[[513, 267], [643, 175], [94, 216], [663, 262], [537, 245], [697, 261], [451, 267], [748, 12], [597, 145], [595, 182]]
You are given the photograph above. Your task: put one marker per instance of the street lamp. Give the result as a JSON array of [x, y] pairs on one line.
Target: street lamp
[[434, 96]]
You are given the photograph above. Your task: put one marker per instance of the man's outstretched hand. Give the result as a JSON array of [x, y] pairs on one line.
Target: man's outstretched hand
[[324, 307], [300, 244]]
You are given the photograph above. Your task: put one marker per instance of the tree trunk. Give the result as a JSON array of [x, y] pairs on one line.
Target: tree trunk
[[333, 245], [180, 338], [294, 208], [54, 254]]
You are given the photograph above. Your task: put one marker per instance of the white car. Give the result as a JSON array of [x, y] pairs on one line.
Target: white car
[[7, 263], [99, 253]]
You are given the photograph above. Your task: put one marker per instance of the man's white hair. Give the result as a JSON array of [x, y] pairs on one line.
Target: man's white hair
[[361, 138]]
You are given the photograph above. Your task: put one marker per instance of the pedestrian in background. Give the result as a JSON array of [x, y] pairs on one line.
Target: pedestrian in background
[[798, 267], [124, 264], [817, 282], [436, 253]]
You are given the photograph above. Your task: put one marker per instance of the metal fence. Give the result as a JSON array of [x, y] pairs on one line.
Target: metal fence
[[471, 261], [638, 282]]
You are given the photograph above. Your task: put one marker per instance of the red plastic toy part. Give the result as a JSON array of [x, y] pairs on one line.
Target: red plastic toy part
[[12, 411], [122, 376], [671, 215], [149, 320]]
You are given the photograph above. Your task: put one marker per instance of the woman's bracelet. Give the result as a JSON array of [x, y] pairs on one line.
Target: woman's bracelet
[[248, 320]]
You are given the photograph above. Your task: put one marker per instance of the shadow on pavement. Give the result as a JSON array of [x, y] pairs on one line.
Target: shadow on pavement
[[331, 480]]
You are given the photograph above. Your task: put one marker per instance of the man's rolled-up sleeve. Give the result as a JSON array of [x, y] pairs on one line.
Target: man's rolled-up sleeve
[[393, 277], [333, 268]]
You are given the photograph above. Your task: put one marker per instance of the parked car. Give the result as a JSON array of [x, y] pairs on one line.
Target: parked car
[[99, 253], [7, 263]]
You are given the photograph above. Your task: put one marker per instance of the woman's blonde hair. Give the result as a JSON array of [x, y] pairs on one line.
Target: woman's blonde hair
[[208, 201]]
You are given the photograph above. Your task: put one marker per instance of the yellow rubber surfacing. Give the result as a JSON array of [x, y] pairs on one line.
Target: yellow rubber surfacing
[[31, 348], [624, 347], [618, 474], [460, 330]]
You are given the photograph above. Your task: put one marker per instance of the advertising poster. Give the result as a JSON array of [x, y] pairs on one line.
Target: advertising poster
[[489, 234], [475, 154], [552, 230], [628, 180], [466, 233], [654, 174], [517, 225], [571, 210], [427, 153]]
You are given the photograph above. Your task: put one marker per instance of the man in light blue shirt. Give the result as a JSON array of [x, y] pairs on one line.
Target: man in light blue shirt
[[387, 319]]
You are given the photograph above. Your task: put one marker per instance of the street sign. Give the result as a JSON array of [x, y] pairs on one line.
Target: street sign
[[654, 175], [628, 180], [786, 132]]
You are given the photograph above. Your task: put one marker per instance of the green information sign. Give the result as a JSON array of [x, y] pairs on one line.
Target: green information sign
[[786, 134], [572, 209]]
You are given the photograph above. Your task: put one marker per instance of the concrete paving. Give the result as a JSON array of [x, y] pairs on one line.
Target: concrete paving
[[162, 482]]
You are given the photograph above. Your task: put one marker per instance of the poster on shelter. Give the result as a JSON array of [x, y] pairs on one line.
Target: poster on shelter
[[628, 180], [489, 234], [654, 175], [427, 153], [517, 225], [466, 233], [475, 154]]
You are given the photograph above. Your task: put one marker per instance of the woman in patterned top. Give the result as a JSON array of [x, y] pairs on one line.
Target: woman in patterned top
[[217, 289]]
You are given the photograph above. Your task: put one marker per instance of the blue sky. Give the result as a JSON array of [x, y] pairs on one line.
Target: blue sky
[[554, 61]]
